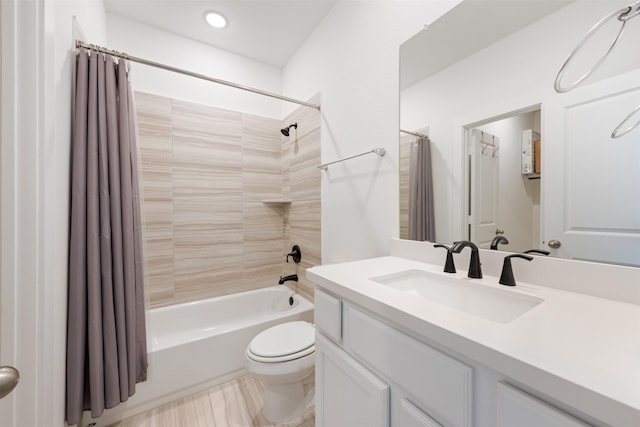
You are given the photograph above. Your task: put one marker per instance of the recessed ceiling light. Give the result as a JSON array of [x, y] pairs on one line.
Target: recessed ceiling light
[[215, 19]]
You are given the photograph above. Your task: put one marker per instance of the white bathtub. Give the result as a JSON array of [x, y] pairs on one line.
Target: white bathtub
[[197, 345]]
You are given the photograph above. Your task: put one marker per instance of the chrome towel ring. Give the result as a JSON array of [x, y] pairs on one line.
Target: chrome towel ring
[[618, 131], [623, 15]]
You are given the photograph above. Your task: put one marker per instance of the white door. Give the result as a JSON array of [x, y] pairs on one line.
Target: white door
[[25, 316], [591, 182], [6, 286], [8, 374], [485, 187]]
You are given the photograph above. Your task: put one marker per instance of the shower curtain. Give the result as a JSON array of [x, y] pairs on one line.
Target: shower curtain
[[106, 339], [421, 211]]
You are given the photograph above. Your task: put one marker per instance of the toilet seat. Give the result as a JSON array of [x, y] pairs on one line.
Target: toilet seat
[[284, 342]]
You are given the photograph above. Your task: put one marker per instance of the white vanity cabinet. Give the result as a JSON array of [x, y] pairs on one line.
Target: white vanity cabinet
[[370, 373], [374, 370], [347, 393]]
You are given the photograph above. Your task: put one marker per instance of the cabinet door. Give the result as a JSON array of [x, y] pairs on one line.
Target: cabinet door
[[347, 394], [411, 416], [435, 381], [518, 409]]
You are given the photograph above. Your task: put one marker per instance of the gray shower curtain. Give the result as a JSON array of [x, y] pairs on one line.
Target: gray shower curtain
[[421, 212], [106, 339]]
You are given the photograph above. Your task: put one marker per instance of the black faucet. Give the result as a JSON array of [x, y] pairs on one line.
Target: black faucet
[[498, 239], [537, 251], [475, 272], [293, 277], [506, 278], [449, 266]]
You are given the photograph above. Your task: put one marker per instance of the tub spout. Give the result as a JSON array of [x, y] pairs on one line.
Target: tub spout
[[293, 277]]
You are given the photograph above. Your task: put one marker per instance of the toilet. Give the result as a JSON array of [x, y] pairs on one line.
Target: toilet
[[281, 357]]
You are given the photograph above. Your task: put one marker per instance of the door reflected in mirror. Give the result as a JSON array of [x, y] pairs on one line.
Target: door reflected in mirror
[[503, 190]]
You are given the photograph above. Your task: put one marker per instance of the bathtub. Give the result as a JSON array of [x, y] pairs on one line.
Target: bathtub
[[198, 345]]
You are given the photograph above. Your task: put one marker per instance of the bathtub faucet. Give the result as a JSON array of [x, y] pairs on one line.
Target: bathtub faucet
[[293, 277]]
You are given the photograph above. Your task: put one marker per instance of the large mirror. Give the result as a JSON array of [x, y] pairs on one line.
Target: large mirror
[[510, 156]]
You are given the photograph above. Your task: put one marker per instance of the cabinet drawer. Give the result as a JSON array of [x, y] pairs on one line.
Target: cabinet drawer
[[436, 382], [328, 314], [517, 408]]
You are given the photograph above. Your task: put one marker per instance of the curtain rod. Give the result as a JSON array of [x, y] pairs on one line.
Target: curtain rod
[[419, 135], [81, 44]]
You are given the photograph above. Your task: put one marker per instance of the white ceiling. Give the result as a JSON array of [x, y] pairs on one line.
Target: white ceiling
[[269, 31], [464, 30]]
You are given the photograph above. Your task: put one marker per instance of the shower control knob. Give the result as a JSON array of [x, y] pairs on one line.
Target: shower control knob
[[295, 253], [554, 244]]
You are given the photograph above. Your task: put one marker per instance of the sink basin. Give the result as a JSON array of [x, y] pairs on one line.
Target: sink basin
[[498, 305]]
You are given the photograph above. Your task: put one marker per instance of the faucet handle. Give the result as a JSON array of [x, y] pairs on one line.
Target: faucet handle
[[498, 239], [295, 253], [507, 278], [449, 265], [537, 251]]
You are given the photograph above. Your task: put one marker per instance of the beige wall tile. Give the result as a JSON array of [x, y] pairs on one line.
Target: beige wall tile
[[304, 174], [405, 149], [206, 169], [206, 121], [262, 243], [261, 186], [304, 220], [154, 141], [153, 113], [205, 172], [259, 160], [301, 182], [208, 249]]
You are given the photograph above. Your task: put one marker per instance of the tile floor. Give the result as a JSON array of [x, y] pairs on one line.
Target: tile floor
[[237, 403]]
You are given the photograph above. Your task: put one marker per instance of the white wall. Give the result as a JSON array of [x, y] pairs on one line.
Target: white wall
[[352, 58], [513, 73], [156, 45]]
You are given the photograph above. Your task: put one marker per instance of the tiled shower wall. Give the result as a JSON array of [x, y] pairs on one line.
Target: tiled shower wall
[[205, 174], [301, 185], [405, 155]]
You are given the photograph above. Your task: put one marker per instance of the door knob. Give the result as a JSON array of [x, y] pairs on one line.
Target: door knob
[[498, 231], [9, 377], [555, 244]]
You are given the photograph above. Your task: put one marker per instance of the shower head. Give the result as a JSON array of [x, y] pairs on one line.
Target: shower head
[[285, 131]]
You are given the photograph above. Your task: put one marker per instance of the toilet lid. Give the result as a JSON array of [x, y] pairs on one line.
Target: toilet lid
[[283, 340]]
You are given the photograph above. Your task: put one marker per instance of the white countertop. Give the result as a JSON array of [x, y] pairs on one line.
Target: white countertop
[[579, 349]]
